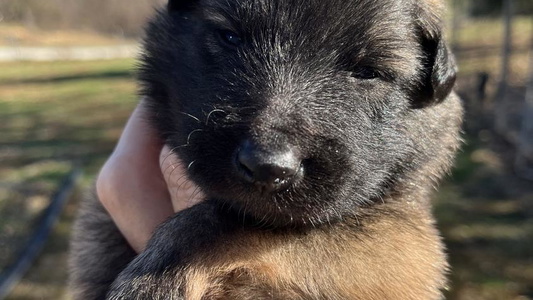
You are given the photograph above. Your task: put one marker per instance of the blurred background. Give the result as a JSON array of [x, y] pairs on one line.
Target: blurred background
[[67, 88]]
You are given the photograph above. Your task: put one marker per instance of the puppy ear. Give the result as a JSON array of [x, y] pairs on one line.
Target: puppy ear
[[439, 67], [177, 5]]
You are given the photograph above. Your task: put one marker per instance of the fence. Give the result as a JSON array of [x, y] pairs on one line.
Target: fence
[[511, 103]]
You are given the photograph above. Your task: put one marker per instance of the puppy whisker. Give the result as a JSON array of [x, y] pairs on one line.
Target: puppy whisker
[[190, 135], [212, 112], [190, 165], [191, 116]]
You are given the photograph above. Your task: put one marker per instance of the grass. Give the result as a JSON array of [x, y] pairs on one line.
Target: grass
[[486, 220], [479, 49], [484, 211], [54, 114], [18, 35]]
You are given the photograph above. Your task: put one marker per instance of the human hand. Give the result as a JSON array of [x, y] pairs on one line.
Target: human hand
[[143, 182]]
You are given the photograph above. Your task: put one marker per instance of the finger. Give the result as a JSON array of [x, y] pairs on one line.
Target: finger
[[131, 186], [183, 192]]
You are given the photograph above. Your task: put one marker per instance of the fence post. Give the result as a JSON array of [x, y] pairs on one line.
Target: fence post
[[502, 93], [525, 146]]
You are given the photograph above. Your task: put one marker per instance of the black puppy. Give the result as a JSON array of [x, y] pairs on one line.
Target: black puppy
[[317, 129]]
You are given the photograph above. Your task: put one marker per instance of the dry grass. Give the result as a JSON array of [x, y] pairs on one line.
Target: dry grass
[[16, 35], [116, 17]]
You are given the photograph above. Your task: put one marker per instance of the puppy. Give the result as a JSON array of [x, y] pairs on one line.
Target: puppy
[[317, 129]]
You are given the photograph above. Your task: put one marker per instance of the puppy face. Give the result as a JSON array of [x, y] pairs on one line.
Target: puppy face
[[294, 112]]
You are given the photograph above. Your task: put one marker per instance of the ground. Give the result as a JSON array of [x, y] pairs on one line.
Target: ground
[[53, 114], [18, 35], [58, 113]]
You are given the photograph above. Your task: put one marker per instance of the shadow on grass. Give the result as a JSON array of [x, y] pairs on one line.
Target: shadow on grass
[[75, 77], [48, 275], [485, 214]]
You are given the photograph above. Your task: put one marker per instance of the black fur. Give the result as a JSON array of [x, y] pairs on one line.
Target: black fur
[[283, 85]]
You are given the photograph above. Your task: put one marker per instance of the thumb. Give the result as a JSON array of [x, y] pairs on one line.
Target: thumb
[[183, 192]]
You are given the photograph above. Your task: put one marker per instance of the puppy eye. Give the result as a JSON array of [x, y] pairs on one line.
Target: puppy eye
[[365, 73], [231, 38]]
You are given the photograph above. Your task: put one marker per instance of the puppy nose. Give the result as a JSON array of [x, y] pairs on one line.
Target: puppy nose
[[269, 170]]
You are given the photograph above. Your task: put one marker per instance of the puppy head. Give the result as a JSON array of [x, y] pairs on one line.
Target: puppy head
[[296, 111]]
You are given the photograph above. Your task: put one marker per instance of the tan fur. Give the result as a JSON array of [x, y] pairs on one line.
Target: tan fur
[[386, 260]]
